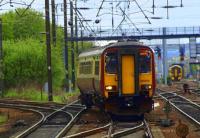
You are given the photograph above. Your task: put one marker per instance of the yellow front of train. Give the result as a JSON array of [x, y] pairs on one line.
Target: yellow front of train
[[176, 72], [128, 79]]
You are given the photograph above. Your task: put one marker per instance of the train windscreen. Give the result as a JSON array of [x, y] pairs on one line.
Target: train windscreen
[[145, 63], [111, 63]]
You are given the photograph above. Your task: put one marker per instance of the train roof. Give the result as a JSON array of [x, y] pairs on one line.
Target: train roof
[[99, 50]]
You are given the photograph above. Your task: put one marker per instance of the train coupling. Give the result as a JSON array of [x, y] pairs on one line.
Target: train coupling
[[128, 101]]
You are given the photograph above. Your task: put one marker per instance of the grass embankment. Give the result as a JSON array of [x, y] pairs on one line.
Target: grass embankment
[[35, 95]]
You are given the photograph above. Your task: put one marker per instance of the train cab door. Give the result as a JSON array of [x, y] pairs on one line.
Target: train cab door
[[177, 73], [129, 73]]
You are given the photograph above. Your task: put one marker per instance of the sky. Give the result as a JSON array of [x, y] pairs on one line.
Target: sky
[[112, 13], [188, 15]]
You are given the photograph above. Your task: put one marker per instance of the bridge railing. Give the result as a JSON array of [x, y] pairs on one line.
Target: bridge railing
[[141, 32]]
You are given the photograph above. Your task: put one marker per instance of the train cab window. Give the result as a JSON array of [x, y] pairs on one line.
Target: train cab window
[[145, 63], [111, 63]]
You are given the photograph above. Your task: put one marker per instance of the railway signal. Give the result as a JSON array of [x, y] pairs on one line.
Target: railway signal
[[158, 52]]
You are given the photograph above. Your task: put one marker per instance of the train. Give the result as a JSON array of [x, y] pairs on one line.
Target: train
[[119, 78], [176, 72]]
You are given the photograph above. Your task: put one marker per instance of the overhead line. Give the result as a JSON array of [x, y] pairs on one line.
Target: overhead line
[[100, 8], [142, 11], [27, 7], [131, 21], [85, 21]]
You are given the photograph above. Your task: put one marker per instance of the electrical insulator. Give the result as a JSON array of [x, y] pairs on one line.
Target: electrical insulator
[[69, 23], [97, 21]]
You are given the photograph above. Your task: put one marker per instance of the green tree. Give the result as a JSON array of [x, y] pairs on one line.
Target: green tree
[[8, 24], [24, 54], [25, 63], [17, 25]]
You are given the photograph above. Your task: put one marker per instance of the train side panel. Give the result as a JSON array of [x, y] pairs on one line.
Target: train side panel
[[88, 79]]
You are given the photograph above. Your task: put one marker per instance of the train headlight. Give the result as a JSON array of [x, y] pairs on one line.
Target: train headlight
[[110, 88], [146, 87]]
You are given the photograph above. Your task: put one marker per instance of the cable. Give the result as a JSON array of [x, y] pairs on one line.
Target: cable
[[28, 7], [142, 11], [100, 8], [131, 21]]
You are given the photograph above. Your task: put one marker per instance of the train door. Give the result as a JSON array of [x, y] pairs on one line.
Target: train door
[[129, 80], [128, 74], [177, 73]]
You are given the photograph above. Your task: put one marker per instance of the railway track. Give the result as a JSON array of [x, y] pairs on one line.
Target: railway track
[[127, 129], [31, 103], [183, 105], [118, 129], [55, 124], [42, 110]]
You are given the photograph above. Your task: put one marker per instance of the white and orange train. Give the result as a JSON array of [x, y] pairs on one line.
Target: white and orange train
[[119, 78]]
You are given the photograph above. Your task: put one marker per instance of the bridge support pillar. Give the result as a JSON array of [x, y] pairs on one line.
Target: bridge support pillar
[[165, 69]]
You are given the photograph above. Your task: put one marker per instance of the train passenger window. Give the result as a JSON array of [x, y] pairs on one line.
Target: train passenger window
[[96, 67], [85, 67], [111, 63], [145, 63], [80, 68]]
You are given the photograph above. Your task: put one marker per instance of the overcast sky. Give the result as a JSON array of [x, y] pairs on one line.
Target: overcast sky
[[188, 15]]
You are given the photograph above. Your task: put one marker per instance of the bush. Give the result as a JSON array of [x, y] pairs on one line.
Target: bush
[[25, 63]]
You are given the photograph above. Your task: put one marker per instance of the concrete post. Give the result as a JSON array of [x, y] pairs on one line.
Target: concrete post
[[165, 69]]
